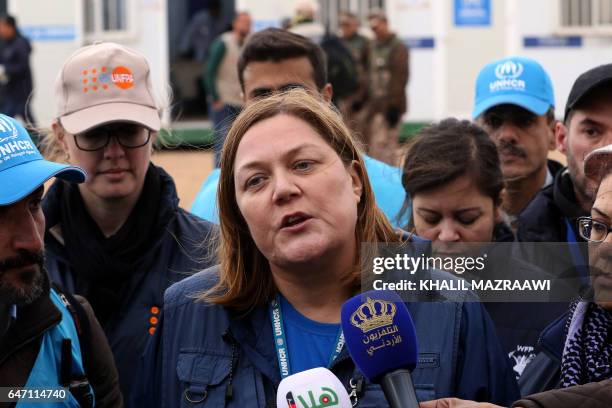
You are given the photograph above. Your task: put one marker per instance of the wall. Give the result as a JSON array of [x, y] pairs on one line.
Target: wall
[[61, 33]]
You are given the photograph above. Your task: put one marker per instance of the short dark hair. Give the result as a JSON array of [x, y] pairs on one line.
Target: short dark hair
[[275, 44], [9, 20], [442, 152]]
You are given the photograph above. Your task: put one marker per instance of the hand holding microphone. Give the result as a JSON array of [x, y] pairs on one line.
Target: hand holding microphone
[[381, 339], [315, 388]]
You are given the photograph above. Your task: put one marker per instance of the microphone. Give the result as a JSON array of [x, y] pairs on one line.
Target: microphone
[[315, 388], [381, 339]]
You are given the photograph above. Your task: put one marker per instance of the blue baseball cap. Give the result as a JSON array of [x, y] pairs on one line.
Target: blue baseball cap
[[515, 80], [22, 167]]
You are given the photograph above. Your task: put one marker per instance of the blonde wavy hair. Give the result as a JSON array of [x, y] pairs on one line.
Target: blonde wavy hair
[[245, 280]]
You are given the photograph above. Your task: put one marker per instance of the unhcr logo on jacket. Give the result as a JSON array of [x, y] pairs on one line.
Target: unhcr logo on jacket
[[508, 75]]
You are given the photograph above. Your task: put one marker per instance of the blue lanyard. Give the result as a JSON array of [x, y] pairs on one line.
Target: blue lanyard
[[280, 341], [578, 259]]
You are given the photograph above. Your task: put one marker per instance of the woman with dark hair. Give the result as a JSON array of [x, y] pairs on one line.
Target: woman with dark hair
[[295, 204], [452, 175], [455, 162], [575, 367]]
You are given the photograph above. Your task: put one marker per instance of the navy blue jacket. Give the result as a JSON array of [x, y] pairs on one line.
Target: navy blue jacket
[[543, 373], [201, 349], [543, 220], [178, 253], [15, 56]]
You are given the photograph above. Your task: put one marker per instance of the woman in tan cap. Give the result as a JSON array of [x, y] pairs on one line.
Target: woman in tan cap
[[119, 239]]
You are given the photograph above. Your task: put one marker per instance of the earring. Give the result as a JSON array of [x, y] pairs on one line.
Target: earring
[[66, 156]]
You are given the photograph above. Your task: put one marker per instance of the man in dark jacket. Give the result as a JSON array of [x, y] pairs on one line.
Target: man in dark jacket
[[36, 319], [15, 73], [515, 105], [551, 216], [387, 102], [587, 126]]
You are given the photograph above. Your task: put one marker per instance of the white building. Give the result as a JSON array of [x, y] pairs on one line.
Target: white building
[[450, 40]]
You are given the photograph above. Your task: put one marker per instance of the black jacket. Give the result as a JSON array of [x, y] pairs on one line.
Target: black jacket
[[179, 252], [558, 250], [543, 220], [15, 56]]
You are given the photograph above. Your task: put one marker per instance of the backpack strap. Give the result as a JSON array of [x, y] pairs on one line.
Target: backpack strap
[[78, 385]]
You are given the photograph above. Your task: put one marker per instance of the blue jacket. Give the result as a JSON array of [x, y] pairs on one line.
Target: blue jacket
[[200, 349], [178, 253], [386, 182], [543, 372]]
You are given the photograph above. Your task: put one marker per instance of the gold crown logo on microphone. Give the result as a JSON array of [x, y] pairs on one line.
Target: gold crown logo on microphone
[[373, 314]]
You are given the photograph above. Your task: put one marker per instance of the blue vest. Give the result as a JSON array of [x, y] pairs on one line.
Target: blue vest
[[46, 370]]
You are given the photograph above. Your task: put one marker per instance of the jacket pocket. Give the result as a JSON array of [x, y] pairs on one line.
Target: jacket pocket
[[425, 392], [202, 374]]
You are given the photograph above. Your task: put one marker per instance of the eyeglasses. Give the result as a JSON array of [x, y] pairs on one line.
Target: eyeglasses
[[128, 135], [593, 231]]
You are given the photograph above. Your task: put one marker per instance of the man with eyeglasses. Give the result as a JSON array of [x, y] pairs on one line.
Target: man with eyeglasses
[[119, 239]]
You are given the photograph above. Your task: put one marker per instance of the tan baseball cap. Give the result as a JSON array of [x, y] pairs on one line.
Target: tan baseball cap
[[102, 83]]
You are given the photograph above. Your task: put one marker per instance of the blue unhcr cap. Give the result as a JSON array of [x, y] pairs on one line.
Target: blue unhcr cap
[[22, 167], [515, 80]]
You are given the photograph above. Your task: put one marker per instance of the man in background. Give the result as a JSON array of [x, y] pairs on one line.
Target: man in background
[[353, 106], [388, 73], [275, 60], [221, 79], [515, 105], [15, 74]]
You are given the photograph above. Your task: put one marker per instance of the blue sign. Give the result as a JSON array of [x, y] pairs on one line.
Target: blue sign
[[472, 13], [422, 42], [538, 42], [49, 33]]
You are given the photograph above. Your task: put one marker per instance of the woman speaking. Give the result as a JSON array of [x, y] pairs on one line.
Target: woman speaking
[[295, 204]]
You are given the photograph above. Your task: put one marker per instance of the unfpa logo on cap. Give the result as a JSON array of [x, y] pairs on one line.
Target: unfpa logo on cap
[[507, 74], [509, 70]]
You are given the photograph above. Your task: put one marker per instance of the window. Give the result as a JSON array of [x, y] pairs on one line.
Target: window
[[107, 19], [331, 9], [585, 16]]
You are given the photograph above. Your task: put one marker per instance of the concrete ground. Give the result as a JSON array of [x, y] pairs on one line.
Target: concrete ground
[[189, 168]]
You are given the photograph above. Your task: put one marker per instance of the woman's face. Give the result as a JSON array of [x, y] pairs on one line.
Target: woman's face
[[600, 254], [298, 199], [114, 172], [455, 212]]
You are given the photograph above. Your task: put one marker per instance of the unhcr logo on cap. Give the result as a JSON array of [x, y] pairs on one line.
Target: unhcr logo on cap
[[509, 70], [507, 74], [12, 144]]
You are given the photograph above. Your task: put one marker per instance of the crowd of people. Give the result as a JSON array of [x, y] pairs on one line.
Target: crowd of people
[[111, 290]]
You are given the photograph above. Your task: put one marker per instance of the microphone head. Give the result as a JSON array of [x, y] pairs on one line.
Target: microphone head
[[315, 388], [379, 333]]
